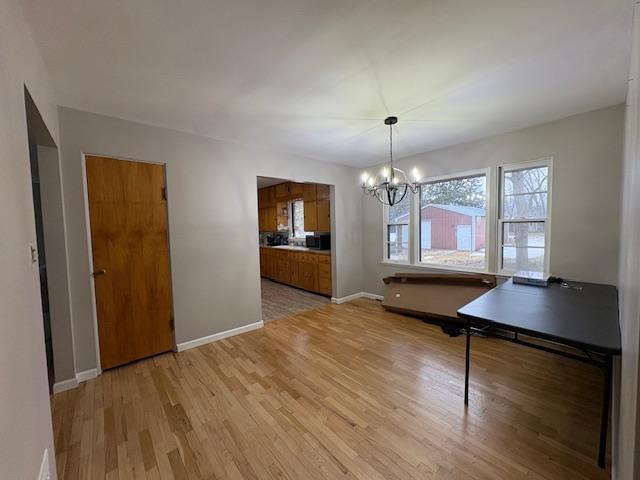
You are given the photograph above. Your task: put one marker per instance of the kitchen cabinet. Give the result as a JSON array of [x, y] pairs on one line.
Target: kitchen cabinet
[[322, 192], [267, 219], [306, 270], [282, 192], [310, 216], [296, 190], [309, 192], [323, 215]]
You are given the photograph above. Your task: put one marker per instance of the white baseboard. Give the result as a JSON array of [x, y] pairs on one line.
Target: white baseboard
[[355, 296], [86, 375], [74, 382], [218, 336]]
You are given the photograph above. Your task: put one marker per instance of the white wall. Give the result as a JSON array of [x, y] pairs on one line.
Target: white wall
[[587, 151], [25, 417], [626, 441], [213, 221]]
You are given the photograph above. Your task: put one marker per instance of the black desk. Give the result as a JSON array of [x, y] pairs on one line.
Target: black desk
[[583, 316]]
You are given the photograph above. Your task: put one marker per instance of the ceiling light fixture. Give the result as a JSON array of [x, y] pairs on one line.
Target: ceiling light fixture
[[391, 185]]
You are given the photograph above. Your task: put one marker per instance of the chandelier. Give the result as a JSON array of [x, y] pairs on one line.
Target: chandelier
[[391, 185]]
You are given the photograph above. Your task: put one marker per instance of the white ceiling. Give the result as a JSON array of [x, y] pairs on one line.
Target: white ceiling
[[317, 77]]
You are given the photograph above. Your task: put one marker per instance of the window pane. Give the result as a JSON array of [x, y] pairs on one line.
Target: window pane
[[529, 234], [453, 222], [523, 258], [530, 205], [298, 219], [400, 213], [398, 233], [526, 180], [398, 252]]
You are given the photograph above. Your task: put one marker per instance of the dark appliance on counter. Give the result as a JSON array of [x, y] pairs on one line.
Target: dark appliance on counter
[[277, 239], [319, 241]]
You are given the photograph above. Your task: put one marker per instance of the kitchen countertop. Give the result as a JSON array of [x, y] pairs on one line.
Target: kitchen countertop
[[293, 248]]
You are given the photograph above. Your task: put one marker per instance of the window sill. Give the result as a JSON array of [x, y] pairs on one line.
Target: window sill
[[440, 268]]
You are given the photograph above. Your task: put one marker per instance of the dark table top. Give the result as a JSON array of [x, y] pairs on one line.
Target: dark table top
[[585, 315]]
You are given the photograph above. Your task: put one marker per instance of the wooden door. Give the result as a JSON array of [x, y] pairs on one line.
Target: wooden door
[[129, 237]]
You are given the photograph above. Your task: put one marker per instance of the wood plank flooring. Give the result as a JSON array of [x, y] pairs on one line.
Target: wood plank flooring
[[341, 392]]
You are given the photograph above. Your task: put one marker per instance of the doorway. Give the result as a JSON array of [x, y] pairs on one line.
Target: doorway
[[295, 237], [130, 251]]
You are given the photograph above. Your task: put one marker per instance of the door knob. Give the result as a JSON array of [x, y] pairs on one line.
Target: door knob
[[102, 271]]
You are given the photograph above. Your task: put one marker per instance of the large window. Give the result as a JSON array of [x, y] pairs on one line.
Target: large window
[[397, 220], [487, 220], [523, 224], [453, 222]]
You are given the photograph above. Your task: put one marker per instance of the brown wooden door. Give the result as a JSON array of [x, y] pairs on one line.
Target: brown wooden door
[[129, 237]]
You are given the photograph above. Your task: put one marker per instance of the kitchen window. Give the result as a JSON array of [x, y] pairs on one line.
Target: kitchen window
[[453, 222], [523, 223], [397, 219], [297, 219]]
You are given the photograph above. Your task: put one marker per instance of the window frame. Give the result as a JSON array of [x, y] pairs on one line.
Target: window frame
[[416, 236], [502, 169], [385, 228]]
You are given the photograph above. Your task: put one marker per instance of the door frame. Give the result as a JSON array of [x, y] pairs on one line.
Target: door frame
[[85, 194]]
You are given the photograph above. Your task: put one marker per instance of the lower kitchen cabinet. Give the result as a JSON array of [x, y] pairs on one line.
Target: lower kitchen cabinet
[[306, 270]]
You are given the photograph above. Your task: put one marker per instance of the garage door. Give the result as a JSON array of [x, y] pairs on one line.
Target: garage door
[[463, 237]]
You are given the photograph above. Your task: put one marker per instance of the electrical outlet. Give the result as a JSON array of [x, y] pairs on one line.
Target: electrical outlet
[[45, 473]]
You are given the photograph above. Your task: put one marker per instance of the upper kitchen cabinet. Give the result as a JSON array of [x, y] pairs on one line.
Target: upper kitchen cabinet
[[296, 190]]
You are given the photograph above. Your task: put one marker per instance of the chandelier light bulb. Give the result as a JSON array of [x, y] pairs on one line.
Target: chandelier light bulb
[[365, 178], [416, 175]]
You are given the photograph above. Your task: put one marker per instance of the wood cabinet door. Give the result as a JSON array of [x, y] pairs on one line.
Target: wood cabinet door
[[296, 190], [270, 196], [308, 273], [309, 192], [270, 219], [294, 270], [282, 191], [130, 247], [322, 191], [310, 216], [324, 215], [283, 273], [270, 265]]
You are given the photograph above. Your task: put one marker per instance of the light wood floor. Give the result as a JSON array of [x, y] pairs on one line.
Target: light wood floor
[[341, 392], [280, 300]]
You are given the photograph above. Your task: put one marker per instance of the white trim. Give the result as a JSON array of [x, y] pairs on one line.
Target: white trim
[[80, 377], [538, 162], [218, 336], [86, 375], [355, 296], [65, 385], [87, 216], [45, 471]]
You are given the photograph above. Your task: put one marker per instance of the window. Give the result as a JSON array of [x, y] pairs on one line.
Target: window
[[453, 222], [396, 243], [523, 219], [297, 219]]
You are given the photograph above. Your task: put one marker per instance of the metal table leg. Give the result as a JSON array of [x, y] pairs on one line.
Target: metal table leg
[[467, 359], [604, 419]]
